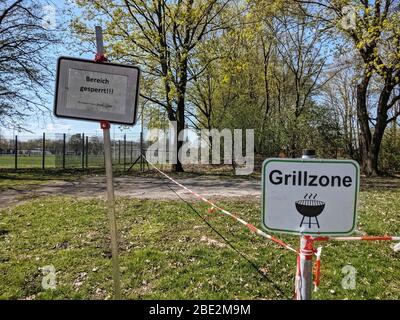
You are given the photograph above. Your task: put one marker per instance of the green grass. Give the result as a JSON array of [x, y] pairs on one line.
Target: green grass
[[24, 179], [26, 162], [28, 178], [51, 161], [163, 255], [72, 162]]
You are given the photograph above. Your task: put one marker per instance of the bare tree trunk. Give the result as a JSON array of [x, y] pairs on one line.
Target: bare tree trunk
[[380, 127], [180, 117], [365, 131], [371, 143], [180, 111], [350, 136]]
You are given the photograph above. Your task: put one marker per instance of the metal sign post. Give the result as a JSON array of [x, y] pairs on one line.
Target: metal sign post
[[105, 126], [304, 279]]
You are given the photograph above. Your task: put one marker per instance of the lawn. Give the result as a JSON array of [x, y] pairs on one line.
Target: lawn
[[168, 252], [33, 161], [28, 178], [51, 161]]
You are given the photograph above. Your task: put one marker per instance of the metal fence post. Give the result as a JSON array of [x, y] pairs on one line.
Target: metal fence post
[[141, 152], [87, 152], [119, 151], [16, 153], [43, 150], [124, 152], [83, 151], [131, 151], [63, 155]]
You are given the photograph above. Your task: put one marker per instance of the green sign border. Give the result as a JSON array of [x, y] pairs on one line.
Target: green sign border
[[314, 161]]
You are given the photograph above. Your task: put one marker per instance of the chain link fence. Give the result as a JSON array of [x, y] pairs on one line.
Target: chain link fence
[[67, 151]]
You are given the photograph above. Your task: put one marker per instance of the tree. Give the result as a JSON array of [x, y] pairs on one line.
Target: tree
[[75, 144], [340, 95], [300, 44], [95, 145], [24, 69], [212, 92], [374, 29], [269, 71], [162, 37]]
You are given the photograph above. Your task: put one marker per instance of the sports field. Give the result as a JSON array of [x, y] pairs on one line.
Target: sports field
[[51, 161]]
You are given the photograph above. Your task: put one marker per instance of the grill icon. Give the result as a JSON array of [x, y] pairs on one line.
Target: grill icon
[[310, 208]]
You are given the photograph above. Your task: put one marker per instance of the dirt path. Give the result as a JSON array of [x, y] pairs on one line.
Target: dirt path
[[135, 187]]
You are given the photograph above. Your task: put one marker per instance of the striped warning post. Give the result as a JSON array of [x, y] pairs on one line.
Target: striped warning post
[[317, 274]]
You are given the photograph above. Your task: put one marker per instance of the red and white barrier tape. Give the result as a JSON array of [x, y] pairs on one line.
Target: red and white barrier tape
[[100, 58], [363, 238], [250, 226]]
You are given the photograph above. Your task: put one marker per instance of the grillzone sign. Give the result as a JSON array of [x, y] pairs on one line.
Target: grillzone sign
[[313, 197]]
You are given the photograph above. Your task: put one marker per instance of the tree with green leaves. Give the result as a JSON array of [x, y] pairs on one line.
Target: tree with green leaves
[[162, 37], [271, 68], [373, 27]]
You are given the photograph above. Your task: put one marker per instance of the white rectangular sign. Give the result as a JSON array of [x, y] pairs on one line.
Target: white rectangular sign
[[315, 197], [96, 91]]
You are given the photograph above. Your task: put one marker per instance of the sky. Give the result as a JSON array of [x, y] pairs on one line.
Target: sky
[[49, 123]]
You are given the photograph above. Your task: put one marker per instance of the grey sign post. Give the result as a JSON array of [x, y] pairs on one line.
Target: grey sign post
[[304, 286], [110, 186], [105, 93]]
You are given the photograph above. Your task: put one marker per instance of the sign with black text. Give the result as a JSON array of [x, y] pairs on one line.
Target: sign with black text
[[96, 91], [304, 196]]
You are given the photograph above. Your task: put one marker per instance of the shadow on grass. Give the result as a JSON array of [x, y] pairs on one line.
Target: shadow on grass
[[48, 174], [386, 182]]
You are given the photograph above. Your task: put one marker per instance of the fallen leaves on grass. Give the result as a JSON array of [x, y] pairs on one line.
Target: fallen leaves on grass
[[79, 280], [212, 242]]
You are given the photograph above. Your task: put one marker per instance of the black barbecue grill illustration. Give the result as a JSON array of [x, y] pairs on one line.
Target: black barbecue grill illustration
[[310, 208]]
